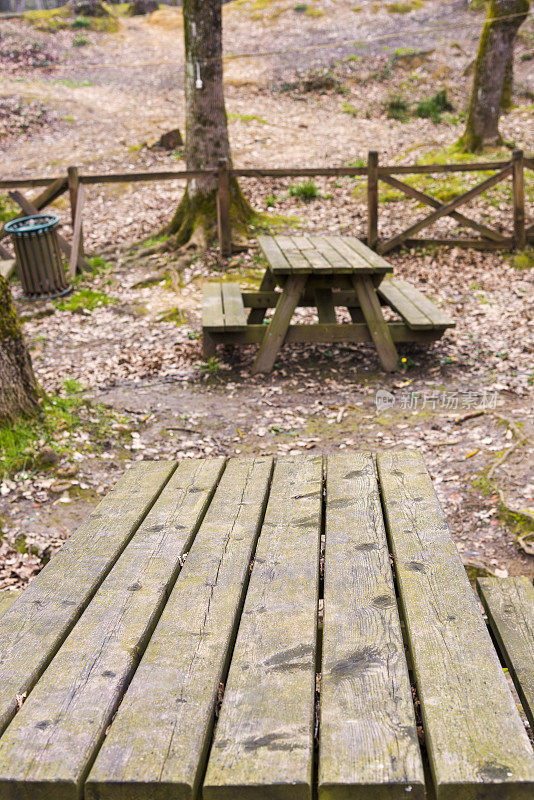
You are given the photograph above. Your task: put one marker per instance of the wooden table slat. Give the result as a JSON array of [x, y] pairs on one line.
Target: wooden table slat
[[339, 263], [263, 745], [157, 742], [277, 260], [368, 739], [53, 738], [366, 253], [509, 603], [477, 744], [33, 629], [358, 264], [7, 598]]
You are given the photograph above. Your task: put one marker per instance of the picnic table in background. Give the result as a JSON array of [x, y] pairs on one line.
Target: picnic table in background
[[212, 620], [322, 272]]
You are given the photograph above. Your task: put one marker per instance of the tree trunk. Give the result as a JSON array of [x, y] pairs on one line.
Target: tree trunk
[[19, 392], [206, 141], [493, 74]]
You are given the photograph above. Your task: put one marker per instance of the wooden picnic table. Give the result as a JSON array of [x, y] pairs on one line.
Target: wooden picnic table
[[214, 620], [322, 272]]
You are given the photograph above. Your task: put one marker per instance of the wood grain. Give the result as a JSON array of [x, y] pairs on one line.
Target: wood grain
[[263, 745], [50, 744], [34, 628], [156, 746], [477, 744], [509, 604], [7, 598], [368, 739]]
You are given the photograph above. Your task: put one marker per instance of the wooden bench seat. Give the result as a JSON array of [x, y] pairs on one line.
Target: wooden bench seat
[[509, 604], [222, 307], [417, 311]]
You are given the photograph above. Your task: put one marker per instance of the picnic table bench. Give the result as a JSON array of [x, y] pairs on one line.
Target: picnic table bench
[[323, 272], [213, 620]]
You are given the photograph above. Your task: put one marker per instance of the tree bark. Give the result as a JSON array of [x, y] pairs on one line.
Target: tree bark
[[19, 391], [207, 139], [493, 74]]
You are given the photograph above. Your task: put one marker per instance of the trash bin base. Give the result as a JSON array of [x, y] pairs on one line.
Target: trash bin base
[[50, 296]]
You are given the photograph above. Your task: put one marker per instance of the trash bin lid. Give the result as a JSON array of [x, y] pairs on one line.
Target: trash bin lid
[[37, 223]]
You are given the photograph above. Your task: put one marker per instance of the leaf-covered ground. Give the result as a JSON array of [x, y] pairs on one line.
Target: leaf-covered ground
[[126, 344]]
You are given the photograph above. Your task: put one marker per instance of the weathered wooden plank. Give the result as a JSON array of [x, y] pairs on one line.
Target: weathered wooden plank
[[357, 332], [212, 306], [51, 742], [325, 306], [157, 743], [410, 191], [357, 262], [273, 254], [477, 744], [234, 311], [7, 598], [339, 263], [263, 745], [33, 629], [399, 302], [318, 262], [509, 604], [368, 739], [435, 314], [276, 330], [374, 259], [378, 328], [268, 283], [301, 242], [445, 210]]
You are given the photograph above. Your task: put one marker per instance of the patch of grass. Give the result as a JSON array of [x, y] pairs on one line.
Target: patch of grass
[[306, 191], [56, 19], [153, 241], [404, 8], [22, 441], [524, 260], [248, 118], [397, 107], [72, 84], [270, 201], [81, 22], [434, 107], [349, 109], [84, 299], [80, 40], [312, 11], [211, 366]]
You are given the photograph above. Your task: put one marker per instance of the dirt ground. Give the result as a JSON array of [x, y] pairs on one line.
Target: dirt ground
[[464, 401]]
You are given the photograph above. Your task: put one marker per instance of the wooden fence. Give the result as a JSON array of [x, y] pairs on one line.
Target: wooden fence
[[74, 183]]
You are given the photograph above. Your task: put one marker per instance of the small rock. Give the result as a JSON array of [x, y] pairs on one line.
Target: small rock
[[48, 456], [172, 139], [142, 7]]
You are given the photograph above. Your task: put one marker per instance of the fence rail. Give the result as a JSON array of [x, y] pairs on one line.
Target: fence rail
[[489, 238]]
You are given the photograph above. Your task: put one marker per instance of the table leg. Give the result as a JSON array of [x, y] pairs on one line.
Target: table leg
[[275, 331], [325, 306], [268, 283], [376, 323]]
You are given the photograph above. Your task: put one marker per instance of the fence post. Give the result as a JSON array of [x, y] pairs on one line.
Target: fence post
[[74, 188], [520, 238], [372, 199], [223, 208]]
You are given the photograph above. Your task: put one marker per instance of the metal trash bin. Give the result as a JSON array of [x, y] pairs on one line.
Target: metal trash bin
[[39, 262]]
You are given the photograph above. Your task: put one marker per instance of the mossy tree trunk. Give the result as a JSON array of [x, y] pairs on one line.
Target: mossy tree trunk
[[19, 392], [207, 140], [493, 75]]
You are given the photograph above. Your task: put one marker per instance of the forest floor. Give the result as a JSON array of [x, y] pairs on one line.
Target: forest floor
[[121, 357]]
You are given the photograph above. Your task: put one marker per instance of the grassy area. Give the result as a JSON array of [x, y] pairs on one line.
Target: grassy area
[[84, 298], [56, 19], [22, 442], [8, 208]]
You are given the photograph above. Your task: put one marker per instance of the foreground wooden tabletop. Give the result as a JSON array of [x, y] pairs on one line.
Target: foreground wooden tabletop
[[233, 629]]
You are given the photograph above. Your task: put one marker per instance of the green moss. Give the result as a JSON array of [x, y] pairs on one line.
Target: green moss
[[248, 118], [524, 260], [404, 8], [349, 109], [85, 298], [10, 327], [55, 19], [8, 208]]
